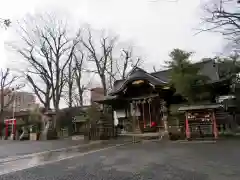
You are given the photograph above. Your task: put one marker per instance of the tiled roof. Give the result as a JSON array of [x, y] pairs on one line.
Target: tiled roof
[[136, 74], [208, 68], [200, 107], [165, 75]]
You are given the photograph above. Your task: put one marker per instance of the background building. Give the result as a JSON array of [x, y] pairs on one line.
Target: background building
[[97, 94], [19, 101]]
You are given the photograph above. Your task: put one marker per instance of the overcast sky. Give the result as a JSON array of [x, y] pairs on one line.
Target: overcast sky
[[155, 26]]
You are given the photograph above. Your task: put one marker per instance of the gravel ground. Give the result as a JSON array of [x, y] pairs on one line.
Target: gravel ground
[[151, 160]]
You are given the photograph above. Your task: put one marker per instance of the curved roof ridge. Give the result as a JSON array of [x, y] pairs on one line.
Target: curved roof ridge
[[136, 74]]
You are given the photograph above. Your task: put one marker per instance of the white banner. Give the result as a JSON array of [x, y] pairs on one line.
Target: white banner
[[135, 110]]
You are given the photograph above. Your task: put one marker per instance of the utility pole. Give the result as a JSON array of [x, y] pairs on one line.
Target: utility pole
[[14, 122], [13, 111]]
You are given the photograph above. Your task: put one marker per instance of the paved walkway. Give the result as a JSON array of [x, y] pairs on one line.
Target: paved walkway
[[17, 148], [152, 160], [9, 149]]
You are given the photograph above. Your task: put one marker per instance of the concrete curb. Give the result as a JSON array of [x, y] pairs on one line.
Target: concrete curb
[[194, 142], [179, 141]]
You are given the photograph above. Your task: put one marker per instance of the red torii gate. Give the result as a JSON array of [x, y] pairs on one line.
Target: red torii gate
[[205, 112], [12, 122]]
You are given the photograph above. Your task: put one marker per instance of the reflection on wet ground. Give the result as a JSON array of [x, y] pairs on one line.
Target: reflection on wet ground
[[10, 148], [27, 162], [12, 164], [45, 157]]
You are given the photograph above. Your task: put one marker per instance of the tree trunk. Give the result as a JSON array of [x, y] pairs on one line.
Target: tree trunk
[[103, 79], [81, 99]]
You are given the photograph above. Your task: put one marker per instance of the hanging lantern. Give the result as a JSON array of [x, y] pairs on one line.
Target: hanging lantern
[[138, 82]]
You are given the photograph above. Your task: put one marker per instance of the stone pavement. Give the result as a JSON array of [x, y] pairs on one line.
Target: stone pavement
[[150, 160]]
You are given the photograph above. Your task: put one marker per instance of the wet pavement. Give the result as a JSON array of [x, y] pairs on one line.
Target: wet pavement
[[16, 163], [27, 147], [15, 149], [19, 148], [150, 160]]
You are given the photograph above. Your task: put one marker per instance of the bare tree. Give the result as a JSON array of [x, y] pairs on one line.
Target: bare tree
[[223, 16], [126, 63], [41, 85], [120, 66], [5, 22], [7, 87], [109, 66], [70, 79], [79, 60], [47, 49], [100, 56], [154, 69], [75, 86]]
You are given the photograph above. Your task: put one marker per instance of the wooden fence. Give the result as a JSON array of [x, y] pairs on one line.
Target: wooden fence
[[100, 133]]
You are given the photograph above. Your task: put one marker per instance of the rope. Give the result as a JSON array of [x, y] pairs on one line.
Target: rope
[[150, 115], [138, 119]]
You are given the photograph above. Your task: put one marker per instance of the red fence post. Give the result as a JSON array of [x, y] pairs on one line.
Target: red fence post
[[188, 134], [14, 127], [6, 128], [215, 130]]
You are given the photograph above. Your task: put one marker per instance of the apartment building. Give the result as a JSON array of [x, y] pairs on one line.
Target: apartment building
[[19, 101]]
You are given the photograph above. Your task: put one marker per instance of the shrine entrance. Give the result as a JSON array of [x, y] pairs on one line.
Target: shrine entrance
[[200, 121], [147, 111], [143, 97]]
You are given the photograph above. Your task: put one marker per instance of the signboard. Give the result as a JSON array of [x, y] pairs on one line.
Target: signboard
[[80, 118], [138, 82]]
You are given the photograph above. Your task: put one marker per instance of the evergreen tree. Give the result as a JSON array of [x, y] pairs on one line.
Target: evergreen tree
[[185, 76]]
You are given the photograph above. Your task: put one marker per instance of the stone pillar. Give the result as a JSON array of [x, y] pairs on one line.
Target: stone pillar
[[165, 119], [44, 132], [135, 123], [135, 126], [215, 130]]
